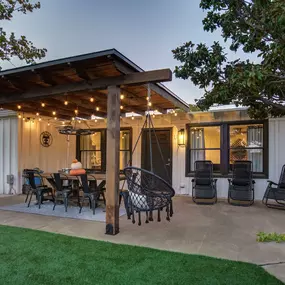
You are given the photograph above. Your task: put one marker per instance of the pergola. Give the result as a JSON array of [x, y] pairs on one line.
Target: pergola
[[104, 84]]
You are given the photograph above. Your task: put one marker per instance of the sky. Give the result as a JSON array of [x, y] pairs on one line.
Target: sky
[[145, 31]]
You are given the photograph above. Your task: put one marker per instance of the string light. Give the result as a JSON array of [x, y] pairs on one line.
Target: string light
[[133, 116], [122, 96], [65, 102], [149, 104], [175, 114], [73, 119], [55, 118], [24, 119], [96, 120], [19, 116], [92, 99], [147, 98], [121, 107], [54, 113], [63, 123], [37, 113], [79, 121], [76, 112], [19, 107], [40, 118], [48, 123], [97, 108], [43, 105]]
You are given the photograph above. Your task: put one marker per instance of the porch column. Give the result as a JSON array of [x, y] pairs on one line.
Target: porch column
[[112, 161]]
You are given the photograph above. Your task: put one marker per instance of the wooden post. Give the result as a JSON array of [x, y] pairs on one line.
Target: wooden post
[[113, 152]]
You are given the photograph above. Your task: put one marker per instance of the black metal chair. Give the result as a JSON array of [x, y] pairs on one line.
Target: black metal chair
[[241, 185], [89, 193], [61, 193], [38, 190], [147, 193], [277, 194], [101, 188], [204, 187]]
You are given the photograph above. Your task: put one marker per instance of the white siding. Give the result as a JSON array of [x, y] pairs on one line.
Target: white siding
[[32, 154], [8, 151]]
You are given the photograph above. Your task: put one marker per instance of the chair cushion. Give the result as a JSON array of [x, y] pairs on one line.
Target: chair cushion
[[240, 182], [203, 181]]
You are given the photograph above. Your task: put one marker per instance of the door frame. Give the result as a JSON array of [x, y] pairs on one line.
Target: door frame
[[170, 129]]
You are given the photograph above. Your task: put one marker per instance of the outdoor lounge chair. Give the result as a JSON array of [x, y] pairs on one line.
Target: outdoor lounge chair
[[275, 194], [204, 187], [241, 185], [38, 190], [147, 193]]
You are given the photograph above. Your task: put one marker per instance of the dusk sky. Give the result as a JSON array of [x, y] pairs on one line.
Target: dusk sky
[[144, 31]]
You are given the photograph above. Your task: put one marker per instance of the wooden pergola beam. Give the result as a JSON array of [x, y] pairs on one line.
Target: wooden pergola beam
[[100, 83]]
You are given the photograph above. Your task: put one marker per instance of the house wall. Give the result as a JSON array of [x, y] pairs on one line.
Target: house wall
[[32, 154], [8, 150]]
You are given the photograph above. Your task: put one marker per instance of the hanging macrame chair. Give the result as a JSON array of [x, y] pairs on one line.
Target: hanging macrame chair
[[147, 192]]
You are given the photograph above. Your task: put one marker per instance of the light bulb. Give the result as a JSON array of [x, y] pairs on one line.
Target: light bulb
[[97, 108], [19, 116], [175, 114], [76, 112], [121, 107], [54, 113], [133, 117], [23, 118], [149, 104], [19, 107], [40, 119], [37, 113], [96, 120], [63, 123], [73, 119], [55, 118], [147, 98], [43, 105], [65, 102], [91, 99], [79, 121], [122, 97], [48, 123]]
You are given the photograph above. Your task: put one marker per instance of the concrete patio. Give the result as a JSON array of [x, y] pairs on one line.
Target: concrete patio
[[220, 230]]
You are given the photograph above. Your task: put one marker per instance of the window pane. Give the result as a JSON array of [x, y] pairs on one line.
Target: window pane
[[255, 155], [91, 159], [246, 136], [124, 159], [208, 154], [205, 137], [91, 142], [124, 140]]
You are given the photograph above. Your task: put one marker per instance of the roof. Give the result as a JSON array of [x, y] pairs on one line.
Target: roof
[[75, 70]]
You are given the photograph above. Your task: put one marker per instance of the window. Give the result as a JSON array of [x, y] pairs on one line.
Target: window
[[125, 148], [246, 143], [92, 150], [225, 143], [205, 145]]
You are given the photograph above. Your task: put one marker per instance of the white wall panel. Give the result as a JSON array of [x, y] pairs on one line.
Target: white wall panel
[[8, 152]]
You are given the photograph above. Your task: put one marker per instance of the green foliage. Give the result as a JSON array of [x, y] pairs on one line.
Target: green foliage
[[194, 108], [255, 27], [10, 45], [267, 237]]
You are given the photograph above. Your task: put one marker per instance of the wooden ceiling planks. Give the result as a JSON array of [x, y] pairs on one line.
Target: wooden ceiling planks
[[73, 72]]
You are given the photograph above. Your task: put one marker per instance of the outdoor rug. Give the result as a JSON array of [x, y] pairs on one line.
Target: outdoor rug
[[72, 211]]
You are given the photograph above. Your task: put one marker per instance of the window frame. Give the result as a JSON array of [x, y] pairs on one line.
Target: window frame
[[103, 150], [225, 147]]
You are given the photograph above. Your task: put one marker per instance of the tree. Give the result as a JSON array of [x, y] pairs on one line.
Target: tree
[[255, 26], [10, 45]]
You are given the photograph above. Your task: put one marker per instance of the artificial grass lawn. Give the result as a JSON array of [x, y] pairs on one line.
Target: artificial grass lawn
[[35, 257]]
